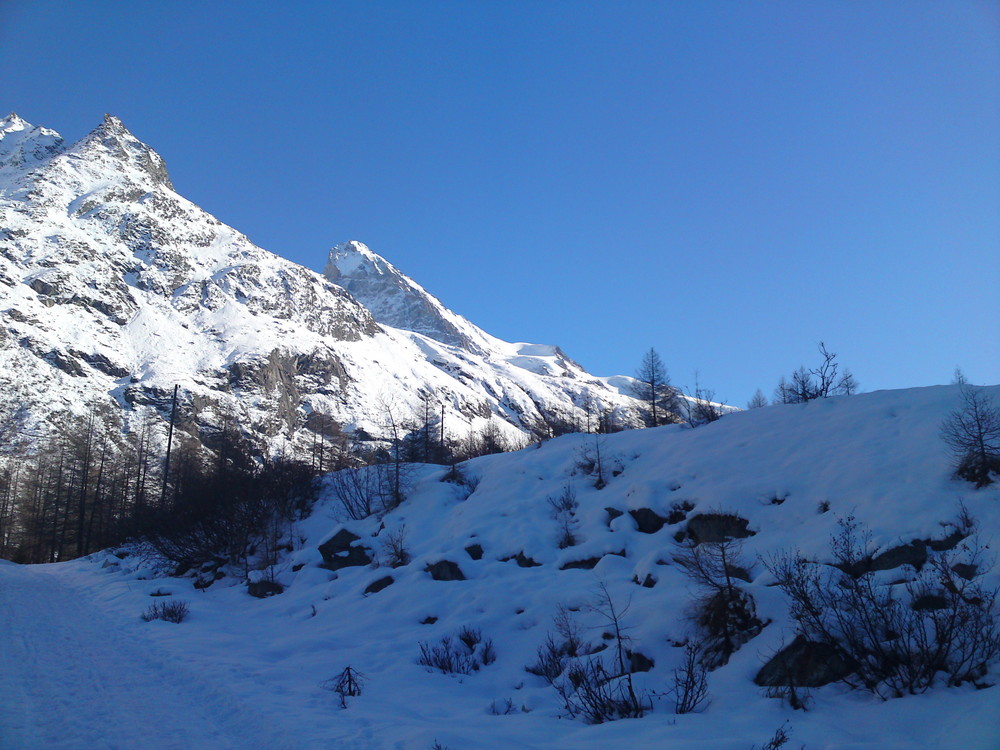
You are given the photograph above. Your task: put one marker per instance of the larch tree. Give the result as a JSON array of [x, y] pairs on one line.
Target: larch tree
[[653, 387]]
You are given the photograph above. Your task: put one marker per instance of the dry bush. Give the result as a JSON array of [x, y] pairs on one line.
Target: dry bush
[[564, 509], [596, 694], [781, 737], [899, 639], [591, 688], [464, 654], [396, 553], [172, 611], [690, 687], [349, 683]]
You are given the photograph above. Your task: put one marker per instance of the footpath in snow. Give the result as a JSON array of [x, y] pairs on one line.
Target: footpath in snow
[[72, 677]]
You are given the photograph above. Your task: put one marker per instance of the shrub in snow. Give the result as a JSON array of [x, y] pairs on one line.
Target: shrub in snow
[[598, 695], [464, 653], [690, 687], [552, 660], [724, 612], [564, 509], [896, 638], [394, 547], [591, 459], [973, 435], [591, 688], [174, 611], [559, 647], [348, 683], [782, 735], [565, 503], [504, 709], [458, 476]]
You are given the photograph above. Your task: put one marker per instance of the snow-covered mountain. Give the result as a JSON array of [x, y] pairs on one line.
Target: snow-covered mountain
[[491, 557], [114, 288]]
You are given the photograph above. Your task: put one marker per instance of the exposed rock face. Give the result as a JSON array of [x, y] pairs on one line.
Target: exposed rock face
[[375, 586], [717, 527], [445, 570], [639, 662], [647, 521], [264, 589], [913, 554], [114, 288], [339, 551]]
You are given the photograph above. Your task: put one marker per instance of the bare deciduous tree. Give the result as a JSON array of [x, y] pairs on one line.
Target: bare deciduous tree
[[973, 435], [702, 408], [821, 382], [758, 400]]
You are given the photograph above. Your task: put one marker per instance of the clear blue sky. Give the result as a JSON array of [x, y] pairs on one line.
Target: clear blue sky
[[729, 182]]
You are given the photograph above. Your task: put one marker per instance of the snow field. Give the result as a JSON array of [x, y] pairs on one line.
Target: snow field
[[876, 456]]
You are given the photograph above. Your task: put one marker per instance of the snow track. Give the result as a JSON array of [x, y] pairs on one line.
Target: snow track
[[73, 678]]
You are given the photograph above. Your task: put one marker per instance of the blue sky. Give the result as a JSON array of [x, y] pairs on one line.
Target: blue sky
[[729, 182]]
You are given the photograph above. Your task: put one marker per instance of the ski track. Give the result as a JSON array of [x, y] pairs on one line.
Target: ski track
[[72, 678]]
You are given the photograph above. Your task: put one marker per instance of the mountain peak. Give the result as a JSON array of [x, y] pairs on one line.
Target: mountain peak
[[23, 145], [353, 256], [116, 140], [395, 299], [13, 121]]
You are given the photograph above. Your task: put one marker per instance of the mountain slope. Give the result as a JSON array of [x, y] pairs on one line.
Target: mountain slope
[[114, 288], [877, 457]]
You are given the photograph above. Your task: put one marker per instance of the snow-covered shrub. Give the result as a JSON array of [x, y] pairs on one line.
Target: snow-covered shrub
[[897, 638], [795, 697], [458, 476], [172, 611], [503, 709], [565, 503], [349, 683], [552, 660], [464, 653]]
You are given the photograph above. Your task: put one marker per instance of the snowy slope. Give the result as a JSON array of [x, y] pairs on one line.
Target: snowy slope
[[113, 288], [876, 456]]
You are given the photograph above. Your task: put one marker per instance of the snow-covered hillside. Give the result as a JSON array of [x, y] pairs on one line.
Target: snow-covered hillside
[[791, 472], [114, 288]]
